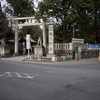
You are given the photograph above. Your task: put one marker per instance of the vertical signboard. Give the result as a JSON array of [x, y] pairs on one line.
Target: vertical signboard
[[51, 39], [28, 41]]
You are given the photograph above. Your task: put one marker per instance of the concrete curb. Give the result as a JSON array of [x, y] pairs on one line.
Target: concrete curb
[[68, 62]]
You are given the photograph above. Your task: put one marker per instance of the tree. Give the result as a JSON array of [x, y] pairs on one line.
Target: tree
[[65, 11], [5, 31], [55, 9], [84, 20], [96, 20], [34, 31], [58, 37], [89, 20], [20, 7]]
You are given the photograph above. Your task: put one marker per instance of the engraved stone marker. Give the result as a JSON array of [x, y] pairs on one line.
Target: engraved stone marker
[[51, 39]]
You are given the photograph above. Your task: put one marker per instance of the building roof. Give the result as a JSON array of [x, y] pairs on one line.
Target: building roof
[[23, 39]]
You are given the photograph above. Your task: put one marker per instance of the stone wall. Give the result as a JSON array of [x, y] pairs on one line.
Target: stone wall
[[4, 49], [68, 49], [90, 53], [64, 53], [71, 53]]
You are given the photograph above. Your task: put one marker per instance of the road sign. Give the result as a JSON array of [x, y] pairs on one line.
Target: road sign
[[94, 46], [75, 40]]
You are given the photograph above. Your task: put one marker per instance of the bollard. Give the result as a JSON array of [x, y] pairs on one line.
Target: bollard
[[99, 56]]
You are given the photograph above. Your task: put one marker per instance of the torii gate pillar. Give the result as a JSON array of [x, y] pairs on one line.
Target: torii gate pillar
[[44, 37], [16, 25], [16, 38]]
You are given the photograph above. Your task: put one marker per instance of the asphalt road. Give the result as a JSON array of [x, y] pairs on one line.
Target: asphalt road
[[34, 81]]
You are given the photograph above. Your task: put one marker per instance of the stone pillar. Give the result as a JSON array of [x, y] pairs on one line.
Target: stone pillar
[[29, 20], [51, 44], [51, 39], [44, 36], [99, 56], [16, 38], [70, 46]]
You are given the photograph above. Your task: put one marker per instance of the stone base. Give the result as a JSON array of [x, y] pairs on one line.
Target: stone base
[[39, 58], [52, 56], [99, 56], [39, 51], [64, 57], [16, 54], [99, 59]]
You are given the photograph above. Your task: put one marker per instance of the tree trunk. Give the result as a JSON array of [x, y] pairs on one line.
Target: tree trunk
[[65, 31], [96, 27]]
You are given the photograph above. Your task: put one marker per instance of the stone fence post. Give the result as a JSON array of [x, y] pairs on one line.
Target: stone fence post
[[99, 56]]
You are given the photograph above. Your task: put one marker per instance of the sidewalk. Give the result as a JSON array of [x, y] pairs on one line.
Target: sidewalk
[[81, 62], [68, 62], [16, 58]]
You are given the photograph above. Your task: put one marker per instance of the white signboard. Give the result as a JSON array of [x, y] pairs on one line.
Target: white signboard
[[75, 40], [51, 39], [28, 41]]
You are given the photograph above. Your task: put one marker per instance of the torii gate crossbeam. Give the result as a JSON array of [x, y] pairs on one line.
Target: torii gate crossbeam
[[29, 23]]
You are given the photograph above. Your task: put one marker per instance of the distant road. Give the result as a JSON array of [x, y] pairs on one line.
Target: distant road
[[34, 81]]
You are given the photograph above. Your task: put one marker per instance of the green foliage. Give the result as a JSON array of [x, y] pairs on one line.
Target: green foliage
[[34, 31], [45, 9], [5, 31], [20, 7], [84, 13], [96, 21], [58, 36]]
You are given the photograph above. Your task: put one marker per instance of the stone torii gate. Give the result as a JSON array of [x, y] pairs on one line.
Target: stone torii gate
[[14, 22]]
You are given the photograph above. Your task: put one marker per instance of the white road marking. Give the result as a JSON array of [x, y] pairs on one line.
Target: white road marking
[[7, 74], [28, 76], [20, 75], [35, 75]]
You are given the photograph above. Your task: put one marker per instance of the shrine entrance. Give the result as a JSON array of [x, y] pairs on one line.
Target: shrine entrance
[[14, 22]]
